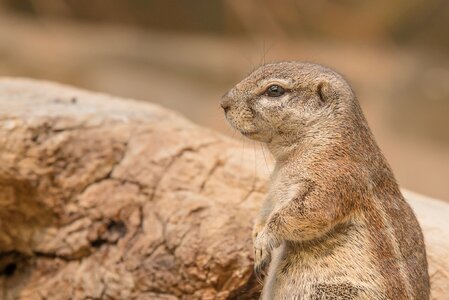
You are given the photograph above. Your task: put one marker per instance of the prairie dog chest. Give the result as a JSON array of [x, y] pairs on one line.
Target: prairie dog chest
[[283, 187]]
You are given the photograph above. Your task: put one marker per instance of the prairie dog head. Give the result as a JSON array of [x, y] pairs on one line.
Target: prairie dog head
[[287, 100]]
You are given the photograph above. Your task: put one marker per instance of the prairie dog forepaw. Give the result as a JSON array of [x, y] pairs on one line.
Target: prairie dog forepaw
[[264, 243], [258, 227]]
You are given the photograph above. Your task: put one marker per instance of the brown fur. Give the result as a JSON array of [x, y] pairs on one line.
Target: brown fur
[[334, 224]]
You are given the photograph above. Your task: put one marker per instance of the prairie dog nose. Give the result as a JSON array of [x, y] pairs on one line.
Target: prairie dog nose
[[225, 102]]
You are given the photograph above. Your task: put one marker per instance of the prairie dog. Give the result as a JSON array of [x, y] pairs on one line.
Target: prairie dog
[[334, 224]]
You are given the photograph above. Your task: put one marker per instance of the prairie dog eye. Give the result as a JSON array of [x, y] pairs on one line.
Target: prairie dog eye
[[275, 91]]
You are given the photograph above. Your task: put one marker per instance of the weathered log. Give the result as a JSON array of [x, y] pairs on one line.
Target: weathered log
[[106, 198]]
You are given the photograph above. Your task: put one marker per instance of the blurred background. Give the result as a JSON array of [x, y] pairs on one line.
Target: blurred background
[[186, 54]]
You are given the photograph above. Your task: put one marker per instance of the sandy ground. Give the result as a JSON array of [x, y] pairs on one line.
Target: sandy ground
[[404, 92]]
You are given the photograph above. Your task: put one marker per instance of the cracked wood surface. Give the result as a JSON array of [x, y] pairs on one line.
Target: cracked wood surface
[[105, 198]]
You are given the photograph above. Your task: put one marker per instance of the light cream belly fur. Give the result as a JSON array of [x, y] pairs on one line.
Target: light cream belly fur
[[337, 267]]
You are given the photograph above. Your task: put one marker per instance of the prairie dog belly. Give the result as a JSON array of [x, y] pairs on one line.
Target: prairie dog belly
[[337, 266]]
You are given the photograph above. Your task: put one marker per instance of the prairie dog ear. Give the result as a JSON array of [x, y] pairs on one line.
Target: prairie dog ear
[[326, 92]]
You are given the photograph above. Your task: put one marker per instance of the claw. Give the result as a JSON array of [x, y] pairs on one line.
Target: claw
[[259, 276], [263, 245], [260, 270], [262, 259]]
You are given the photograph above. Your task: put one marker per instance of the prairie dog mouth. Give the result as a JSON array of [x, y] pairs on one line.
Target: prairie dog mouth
[[247, 133]]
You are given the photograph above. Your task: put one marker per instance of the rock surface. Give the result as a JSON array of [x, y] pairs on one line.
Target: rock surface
[[105, 198]]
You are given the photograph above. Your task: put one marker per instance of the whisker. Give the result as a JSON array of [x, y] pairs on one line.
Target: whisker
[[266, 163], [255, 165], [242, 141]]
